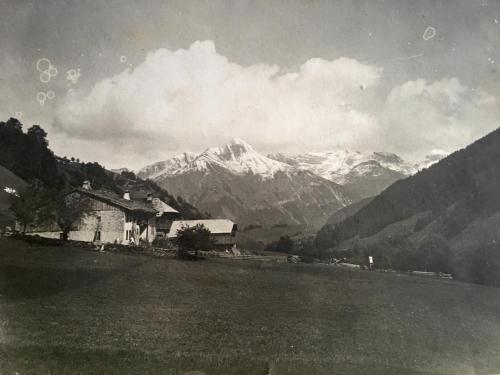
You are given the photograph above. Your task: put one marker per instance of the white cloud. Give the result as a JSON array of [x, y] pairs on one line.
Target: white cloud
[[420, 116], [190, 99]]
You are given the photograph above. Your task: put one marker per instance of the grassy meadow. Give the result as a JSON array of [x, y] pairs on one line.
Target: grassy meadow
[[66, 310]]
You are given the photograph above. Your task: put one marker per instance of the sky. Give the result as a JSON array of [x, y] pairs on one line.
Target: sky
[[128, 83]]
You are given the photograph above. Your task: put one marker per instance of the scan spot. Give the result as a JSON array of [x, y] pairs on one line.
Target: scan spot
[[43, 64], [52, 71], [44, 77], [73, 75], [429, 33], [46, 69]]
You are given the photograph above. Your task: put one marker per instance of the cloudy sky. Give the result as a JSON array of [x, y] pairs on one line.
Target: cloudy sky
[[127, 83]]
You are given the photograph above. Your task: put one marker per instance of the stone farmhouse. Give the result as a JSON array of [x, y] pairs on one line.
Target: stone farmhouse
[[130, 219]]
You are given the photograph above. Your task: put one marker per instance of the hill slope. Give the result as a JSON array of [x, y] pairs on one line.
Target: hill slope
[[452, 204], [9, 184]]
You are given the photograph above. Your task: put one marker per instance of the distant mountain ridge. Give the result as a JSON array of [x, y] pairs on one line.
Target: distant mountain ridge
[[362, 174], [237, 182], [238, 157]]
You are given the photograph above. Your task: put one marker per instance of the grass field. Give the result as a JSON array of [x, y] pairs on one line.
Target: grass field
[[65, 310]]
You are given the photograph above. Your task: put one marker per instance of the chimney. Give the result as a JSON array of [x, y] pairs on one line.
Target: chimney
[[126, 195], [150, 197], [86, 185]]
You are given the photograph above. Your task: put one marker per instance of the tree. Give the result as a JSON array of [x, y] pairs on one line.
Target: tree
[[66, 210], [27, 205], [37, 205], [38, 135], [197, 237]]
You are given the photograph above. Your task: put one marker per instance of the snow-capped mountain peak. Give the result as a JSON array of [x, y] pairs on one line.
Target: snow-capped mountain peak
[[337, 164], [169, 166], [238, 157]]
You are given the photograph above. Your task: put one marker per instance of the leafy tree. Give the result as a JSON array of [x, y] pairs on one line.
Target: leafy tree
[[129, 174], [37, 205], [38, 135], [66, 210], [197, 237], [27, 204]]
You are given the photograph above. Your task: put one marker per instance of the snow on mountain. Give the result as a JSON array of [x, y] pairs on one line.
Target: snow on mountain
[[337, 165], [172, 166], [432, 158], [120, 170], [235, 181], [237, 157]]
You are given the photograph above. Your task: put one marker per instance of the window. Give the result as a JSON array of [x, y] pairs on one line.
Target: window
[[98, 235], [128, 218]]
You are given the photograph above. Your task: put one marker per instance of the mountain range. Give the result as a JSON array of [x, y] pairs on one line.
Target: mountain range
[[447, 212], [361, 174], [237, 182]]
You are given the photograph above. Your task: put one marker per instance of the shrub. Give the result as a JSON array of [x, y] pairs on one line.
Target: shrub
[[193, 238]]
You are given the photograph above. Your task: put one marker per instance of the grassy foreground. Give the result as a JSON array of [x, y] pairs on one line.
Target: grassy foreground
[[65, 310]]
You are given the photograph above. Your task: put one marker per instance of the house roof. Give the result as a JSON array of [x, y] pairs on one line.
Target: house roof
[[115, 200], [161, 207], [215, 226]]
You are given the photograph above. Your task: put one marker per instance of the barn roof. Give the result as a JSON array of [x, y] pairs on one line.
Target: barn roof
[[215, 226], [115, 200]]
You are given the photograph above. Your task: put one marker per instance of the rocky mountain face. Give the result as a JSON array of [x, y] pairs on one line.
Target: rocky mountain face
[[361, 174], [443, 217], [236, 182]]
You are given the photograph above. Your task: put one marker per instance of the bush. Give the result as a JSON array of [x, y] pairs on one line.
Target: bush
[[193, 238]]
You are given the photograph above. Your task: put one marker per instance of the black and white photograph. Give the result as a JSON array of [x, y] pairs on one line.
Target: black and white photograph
[[261, 187]]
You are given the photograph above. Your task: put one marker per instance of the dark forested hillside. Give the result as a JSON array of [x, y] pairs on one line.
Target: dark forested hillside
[[27, 154], [455, 201]]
